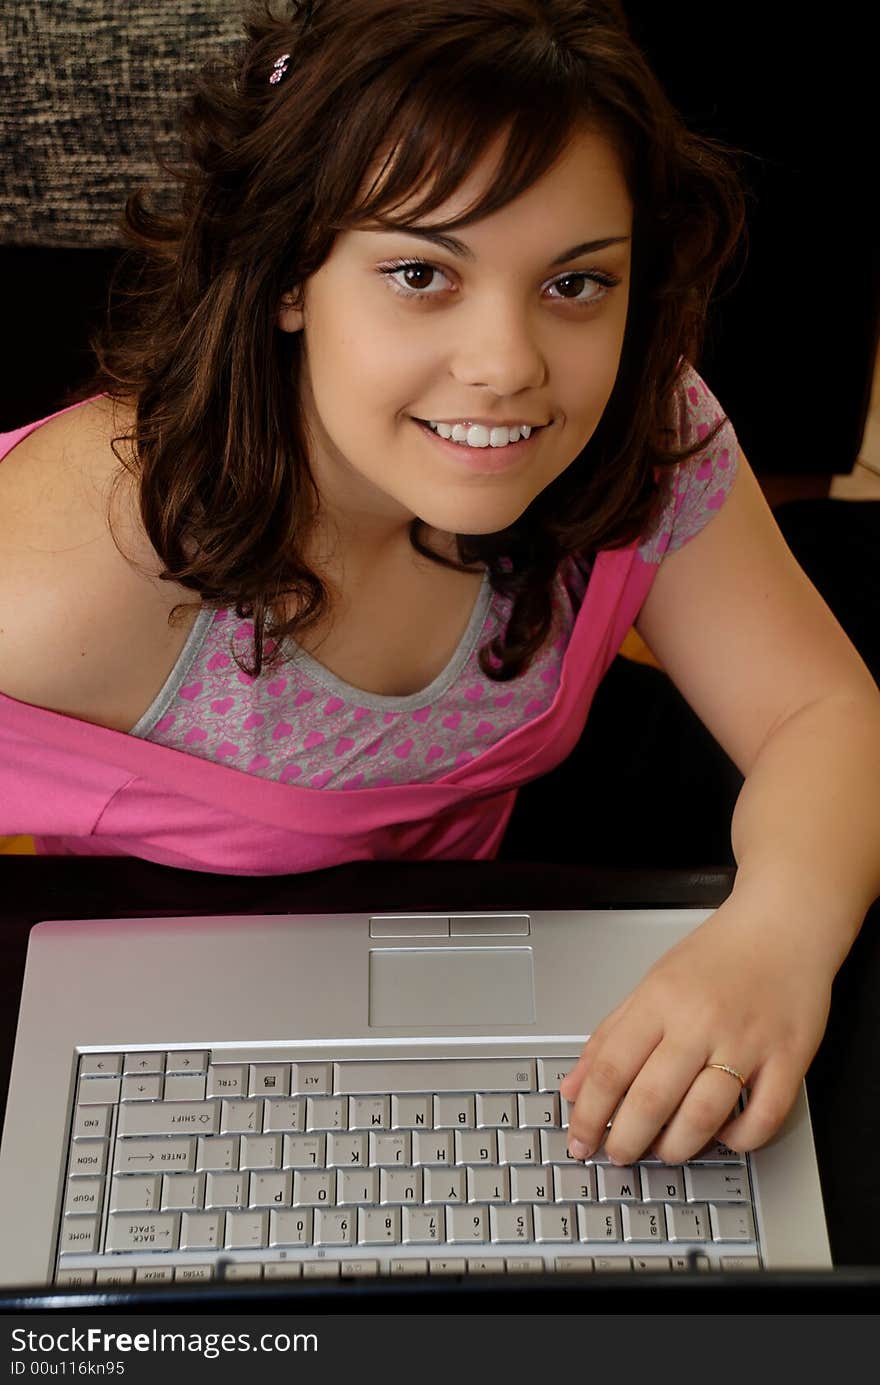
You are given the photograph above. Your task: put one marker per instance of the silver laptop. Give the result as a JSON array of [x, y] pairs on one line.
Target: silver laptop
[[287, 1096]]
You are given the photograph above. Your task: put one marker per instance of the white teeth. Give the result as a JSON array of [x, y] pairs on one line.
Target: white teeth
[[477, 435]]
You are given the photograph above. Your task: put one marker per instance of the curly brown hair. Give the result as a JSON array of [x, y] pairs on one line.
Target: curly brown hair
[[226, 492]]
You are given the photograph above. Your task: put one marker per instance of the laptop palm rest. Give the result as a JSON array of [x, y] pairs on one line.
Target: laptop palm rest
[[451, 986]]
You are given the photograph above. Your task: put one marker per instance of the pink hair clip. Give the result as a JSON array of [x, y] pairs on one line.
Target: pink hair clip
[[280, 65]]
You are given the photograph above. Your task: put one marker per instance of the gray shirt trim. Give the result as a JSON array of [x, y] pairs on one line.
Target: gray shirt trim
[[322, 675]]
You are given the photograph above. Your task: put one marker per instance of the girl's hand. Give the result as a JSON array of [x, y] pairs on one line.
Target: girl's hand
[[742, 989]]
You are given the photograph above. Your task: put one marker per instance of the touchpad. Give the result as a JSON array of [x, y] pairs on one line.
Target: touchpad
[[451, 985]]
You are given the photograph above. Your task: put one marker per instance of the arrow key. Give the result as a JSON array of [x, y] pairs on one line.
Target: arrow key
[[136, 1088]]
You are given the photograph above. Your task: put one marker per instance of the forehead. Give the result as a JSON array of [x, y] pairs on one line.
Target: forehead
[[587, 180]]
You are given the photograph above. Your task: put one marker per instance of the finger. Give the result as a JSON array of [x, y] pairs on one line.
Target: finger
[[772, 1093], [704, 1108], [654, 1096], [571, 1083], [609, 1075]]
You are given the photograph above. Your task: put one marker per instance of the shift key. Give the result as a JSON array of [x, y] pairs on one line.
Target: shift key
[[169, 1117]]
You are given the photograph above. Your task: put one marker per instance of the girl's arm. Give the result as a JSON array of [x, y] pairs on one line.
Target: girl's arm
[[752, 646]]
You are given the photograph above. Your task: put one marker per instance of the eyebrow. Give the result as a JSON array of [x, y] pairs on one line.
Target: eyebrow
[[458, 247]]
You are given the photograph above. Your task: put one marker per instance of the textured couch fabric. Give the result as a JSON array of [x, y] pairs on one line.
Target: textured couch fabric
[[85, 87]]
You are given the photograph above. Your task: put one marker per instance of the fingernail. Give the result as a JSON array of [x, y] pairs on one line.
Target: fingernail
[[577, 1149]]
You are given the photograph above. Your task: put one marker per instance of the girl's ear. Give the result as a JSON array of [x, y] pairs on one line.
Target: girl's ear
[[290, 313]]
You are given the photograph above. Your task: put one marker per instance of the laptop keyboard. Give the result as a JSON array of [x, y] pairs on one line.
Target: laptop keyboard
[[183, 1165]]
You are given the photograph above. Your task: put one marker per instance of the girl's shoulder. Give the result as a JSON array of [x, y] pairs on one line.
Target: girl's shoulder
[[82, 630]]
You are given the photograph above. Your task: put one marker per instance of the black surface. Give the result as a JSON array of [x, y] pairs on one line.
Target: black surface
[[836, 1291]]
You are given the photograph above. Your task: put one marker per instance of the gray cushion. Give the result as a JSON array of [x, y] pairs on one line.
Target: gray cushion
[[85, 85]]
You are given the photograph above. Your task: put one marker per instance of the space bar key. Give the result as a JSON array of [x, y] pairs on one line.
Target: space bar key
[[435, 1075]]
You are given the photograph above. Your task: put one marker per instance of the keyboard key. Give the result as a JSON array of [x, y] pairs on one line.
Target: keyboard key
[[202, 1230], [511, 1224], [334, 1227], [146, 1232], [149, 1156], [89, 1157], [292, 1228], [168, 1118], [423, 1224], [721, 1183], [690, 1223], [615, 1183], [436, 1075], [731, 1223], [79, 1234], [643, 1223], [139, 1194], [261, 1151], [551, 1072], [186, 1060], [663, 1183], [378, 1226], [467, 1225], [246, 1230], [555, 1222], [227, 1079], [100, 1065], [598, 1223], [91, 1122], [144, 1062], [84, 1195]]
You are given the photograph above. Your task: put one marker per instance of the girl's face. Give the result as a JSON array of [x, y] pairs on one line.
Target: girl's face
[[502, 333]]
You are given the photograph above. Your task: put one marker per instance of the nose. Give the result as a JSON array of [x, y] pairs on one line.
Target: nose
[[497, 348]]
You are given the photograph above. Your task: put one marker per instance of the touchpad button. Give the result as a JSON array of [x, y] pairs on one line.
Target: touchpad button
[[452, 986]]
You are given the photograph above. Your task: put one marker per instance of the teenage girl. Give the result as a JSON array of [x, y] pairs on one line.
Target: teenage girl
[[400, 435]]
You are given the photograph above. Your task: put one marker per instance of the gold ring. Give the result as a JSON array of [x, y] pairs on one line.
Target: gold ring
[[725, 1067]]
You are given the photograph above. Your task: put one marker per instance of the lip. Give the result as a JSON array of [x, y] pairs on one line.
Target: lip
[[485, 459]]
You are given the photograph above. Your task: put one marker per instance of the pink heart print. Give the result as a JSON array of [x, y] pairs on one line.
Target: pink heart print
[[344, 743], [333, 705], [402, 751], [255, 719], [474, 693], [167, 721], [452, 721], [504, 701], [289, 772], [484, 728], [192, 691], [354, 783], [422, 714], [312, 739], [224, 751], [276, 688], [218, 660], [319, 780], [434, 753], [196, 734], [283, 728], [259, 762], [360, 713], [223, 705], [302, 698]]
